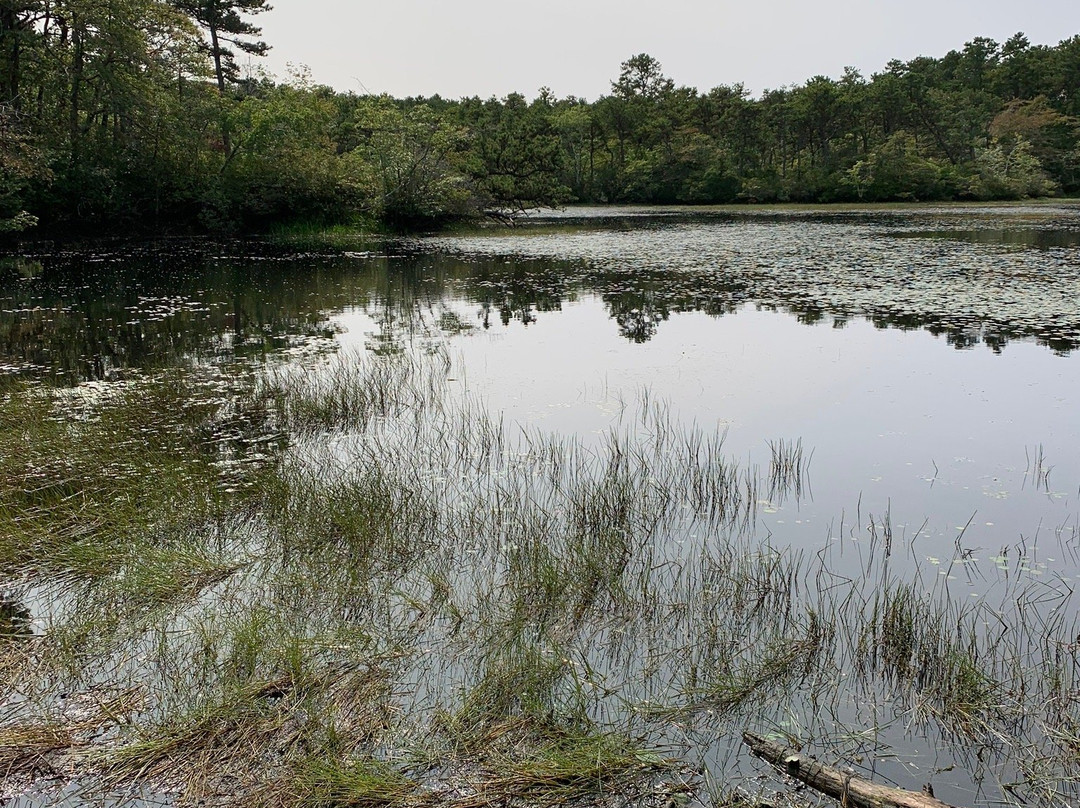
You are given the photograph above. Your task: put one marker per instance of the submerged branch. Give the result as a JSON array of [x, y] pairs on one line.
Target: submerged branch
[[849, 790]]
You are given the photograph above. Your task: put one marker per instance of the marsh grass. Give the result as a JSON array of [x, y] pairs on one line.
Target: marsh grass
[[909, 640], [739, 675], [319, 782], [789, 469], [341, 584], [23, 750], [565, 769], [230, 738], [523, 734], [317, 236], [84, 479], [55, 741], [559, 770], [1037, 472]]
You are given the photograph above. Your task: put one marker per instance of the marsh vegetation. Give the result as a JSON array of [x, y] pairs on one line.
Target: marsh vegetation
[[303, 566]]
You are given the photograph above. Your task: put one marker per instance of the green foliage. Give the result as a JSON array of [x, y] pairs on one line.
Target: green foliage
[[515, 153], [281, 163], [1010, 172], [21, 165], [134, 113], [225, 25], [897, 172], [641, 78], [407, 164]]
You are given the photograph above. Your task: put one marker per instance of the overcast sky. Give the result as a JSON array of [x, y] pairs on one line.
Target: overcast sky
[[575, 47]]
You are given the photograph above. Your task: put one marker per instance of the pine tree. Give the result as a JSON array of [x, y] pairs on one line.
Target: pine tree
[[224, 23]]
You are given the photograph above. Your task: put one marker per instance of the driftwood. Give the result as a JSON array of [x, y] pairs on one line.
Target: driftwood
[[851, 791]]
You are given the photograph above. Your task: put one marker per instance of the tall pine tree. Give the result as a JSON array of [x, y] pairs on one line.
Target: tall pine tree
[[224, 23]]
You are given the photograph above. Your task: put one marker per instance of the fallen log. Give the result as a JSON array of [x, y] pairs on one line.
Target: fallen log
[[851, 791]]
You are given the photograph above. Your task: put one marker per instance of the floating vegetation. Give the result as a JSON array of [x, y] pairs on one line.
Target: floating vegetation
[[818, 264]]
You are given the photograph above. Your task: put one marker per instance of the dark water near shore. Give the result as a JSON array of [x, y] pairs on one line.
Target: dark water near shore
[[927, 357]]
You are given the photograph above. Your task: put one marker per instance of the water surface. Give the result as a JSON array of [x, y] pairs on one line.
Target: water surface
[[926, 357]]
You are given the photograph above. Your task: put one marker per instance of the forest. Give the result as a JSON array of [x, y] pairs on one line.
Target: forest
[[122, 115]]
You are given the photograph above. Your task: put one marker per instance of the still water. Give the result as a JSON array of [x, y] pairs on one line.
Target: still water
[[927, 358]]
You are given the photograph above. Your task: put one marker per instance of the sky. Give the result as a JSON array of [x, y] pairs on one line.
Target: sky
[[574, 47]]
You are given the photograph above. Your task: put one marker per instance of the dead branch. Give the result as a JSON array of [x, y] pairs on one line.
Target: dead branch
[[851, 791]]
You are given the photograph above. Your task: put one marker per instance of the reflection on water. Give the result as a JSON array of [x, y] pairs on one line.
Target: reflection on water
[[94, 316], [956, 273], [814, 264], [560, 326], [763, 326]]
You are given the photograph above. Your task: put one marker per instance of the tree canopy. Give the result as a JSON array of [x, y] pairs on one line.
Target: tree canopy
[[116, 113]]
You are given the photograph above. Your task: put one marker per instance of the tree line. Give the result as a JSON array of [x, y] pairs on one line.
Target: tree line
[[120, 113]]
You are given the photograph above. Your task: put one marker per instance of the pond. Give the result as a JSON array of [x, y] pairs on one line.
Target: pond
[[826, 461]]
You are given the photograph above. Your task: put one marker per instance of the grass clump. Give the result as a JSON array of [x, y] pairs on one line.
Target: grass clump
[[741, 676], [53, 744], [25, 750], [560, 770], [242, 741], [308, 235], [213, 743], [523, 735], [569, 769], [931, 657], [520, 686], [320, 782]]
